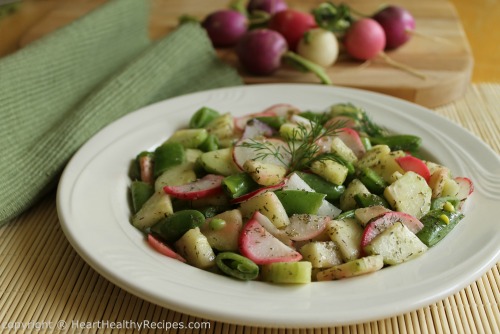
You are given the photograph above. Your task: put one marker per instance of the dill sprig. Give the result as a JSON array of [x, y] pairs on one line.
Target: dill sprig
[[301, 145]]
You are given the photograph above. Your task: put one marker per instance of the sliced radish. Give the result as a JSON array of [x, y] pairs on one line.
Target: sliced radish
[[379, 224], [161, 248], [146, 168], [258, 192], [324, 144], [242, 153], [466, 187], [411, 163], [344, 121], [271, 228], [282, 109], [241, 122], [305, 226], [208, 185], [351, 138], [256, 128], [260, 246]]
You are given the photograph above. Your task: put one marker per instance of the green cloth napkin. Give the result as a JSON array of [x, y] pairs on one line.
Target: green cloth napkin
[[58, 92]]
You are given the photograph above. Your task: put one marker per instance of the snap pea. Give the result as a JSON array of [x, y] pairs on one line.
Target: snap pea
[[202, 117], [345, 215], [398, 142], [173, 227], [366, 143], [237, 266], [372, 181], [211, 143], [439, 203], [320, 185], [140, 193], [300, 202], [437, 224], [168, 155], [273, 121], [239, 184], [366, 200]]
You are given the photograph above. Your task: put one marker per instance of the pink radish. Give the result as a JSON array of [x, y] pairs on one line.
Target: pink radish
[[146, 168], [208, 185], [258, 192], [379, 224], [162, 248], [351, 138], [466, 187], [262, 247], [305, 227], [411, 163], [271, 228], [241, 152], [365, 39]]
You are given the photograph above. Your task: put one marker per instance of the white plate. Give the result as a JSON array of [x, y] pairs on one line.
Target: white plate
[[94, 214]]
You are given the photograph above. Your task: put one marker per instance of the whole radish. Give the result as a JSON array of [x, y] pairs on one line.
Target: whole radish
[[398, 23], [292, 24], [262, 51], [268, 6], [365, 39], [259, 51], [225, 27], [319, 46]]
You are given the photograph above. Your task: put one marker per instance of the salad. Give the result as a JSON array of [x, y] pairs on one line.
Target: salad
[[291, 196]]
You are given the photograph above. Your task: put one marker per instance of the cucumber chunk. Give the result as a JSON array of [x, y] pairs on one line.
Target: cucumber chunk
[[364, 265], [287, 272]]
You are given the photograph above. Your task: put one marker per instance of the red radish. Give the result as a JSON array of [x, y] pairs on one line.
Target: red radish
[[260, 51], [271, 228], [379, 224], [346, 121], [161, 248], [268, 6], [208, 185], [256, 128], [411, 163], [241, 122], [365, 39], [398, 23], [241, 152], [351, 138], [282, 109], [225, 27], [466, 187], [305, 227], [292, 24], [262, 247], [146, 168], [258, 192]]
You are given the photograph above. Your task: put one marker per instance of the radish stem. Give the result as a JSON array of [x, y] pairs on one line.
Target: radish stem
[[401, 66], [303, 64]]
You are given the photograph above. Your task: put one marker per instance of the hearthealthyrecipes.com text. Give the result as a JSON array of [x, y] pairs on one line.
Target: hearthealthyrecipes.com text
[[105, 324]]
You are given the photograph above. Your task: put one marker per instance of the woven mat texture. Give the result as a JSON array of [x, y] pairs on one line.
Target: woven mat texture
[[44, 281]]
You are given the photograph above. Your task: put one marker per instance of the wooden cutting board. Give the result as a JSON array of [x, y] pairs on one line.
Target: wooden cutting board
[[440, 50]]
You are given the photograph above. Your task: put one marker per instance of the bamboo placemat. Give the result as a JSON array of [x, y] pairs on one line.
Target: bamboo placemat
[[46, 287]]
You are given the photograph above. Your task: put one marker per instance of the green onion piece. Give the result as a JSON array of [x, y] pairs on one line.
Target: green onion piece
[[237, 266]]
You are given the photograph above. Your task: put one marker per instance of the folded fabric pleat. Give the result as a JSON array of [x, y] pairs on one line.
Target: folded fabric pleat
[[58, 92]]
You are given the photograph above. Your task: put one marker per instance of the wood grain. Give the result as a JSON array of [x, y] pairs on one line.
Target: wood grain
[[440, 50]]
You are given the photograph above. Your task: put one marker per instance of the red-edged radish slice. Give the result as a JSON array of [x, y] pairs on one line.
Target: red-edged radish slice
[[146, 169], [411, 163], [258, 192], [351, 138], [260, 246], [271, 228], [324, 144], [256, 128], [208, 185], [242, 153], [282, 109], [161, 248], [466, 187], [379, 224], [305, 226], [343, 121]]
